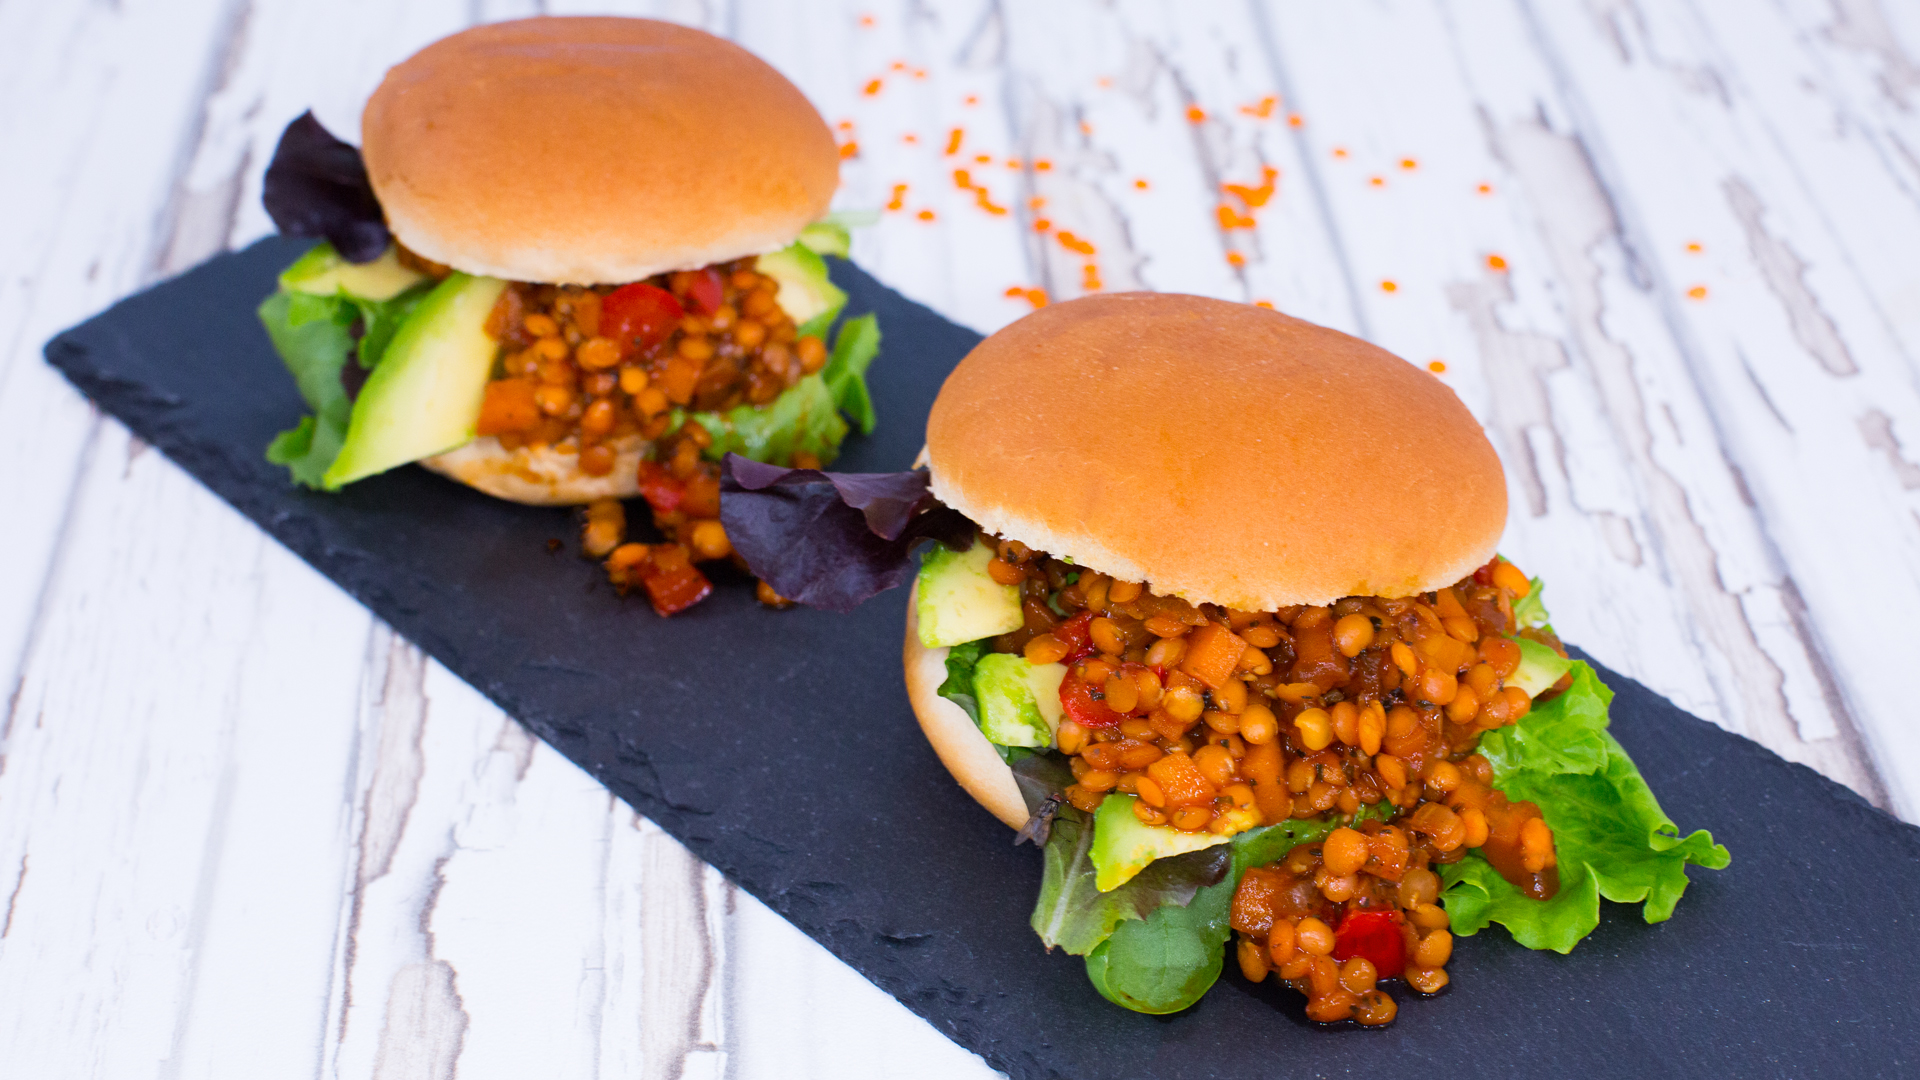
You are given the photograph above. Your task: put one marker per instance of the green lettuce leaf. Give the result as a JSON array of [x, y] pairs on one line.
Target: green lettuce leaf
[[854, 348], [1164, 962], [1531, 610], [314, 337], [959, 685], [1073, 914], [1610, 835]]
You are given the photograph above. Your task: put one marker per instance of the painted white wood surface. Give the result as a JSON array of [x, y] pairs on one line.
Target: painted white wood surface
[[1663, 249]]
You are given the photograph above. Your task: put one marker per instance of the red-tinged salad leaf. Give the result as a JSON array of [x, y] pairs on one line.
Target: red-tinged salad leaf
[[831, 540], [317, 186], [1609, 834]]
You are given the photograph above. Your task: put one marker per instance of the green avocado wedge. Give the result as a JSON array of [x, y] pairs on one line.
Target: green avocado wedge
[[1123, 845], [425, 396], [959, 603], [806, 293], [323, 272]]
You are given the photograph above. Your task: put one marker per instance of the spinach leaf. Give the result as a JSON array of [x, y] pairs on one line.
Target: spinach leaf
[[1610, 835], [959, 685]]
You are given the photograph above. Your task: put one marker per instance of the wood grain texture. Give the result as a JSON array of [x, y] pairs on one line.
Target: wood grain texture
[[1662, 250]]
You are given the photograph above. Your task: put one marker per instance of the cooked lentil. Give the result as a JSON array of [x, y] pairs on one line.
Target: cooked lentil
[[1224, 720]]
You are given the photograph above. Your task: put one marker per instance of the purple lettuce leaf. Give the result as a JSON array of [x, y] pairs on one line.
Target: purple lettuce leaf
[[831, 540], [317, 186]]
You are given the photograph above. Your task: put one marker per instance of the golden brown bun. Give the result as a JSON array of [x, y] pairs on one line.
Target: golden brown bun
[[1220, 452], [962, 748], [544, 476], [593, 151]]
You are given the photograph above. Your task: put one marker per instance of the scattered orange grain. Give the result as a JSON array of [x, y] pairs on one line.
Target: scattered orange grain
[[1036, 297], [1090, 278], [899, 65], [919, 73], [1073, 243], [910, 139], [868, 22], [983, 159], [1296, 120], [925, 215], [972, 99], [1013, 163], [982, 198], [1377, 181], [1695, 248], [1389, 286], [962, 179], [1485, 189], [1255, 197], [1438, 367], [1036, 202], [1263, 108], [1496, 264], [1231, 218], [849, 149], [1141, 183], [1340, 152], [1698, 292], [1268, 304], [872, 88], [1041, 224], [898, 201], [1236, 260], [1409, 164], [953, 141], [1043, 165], [1104, 82], [845, 125], [1196, 114]]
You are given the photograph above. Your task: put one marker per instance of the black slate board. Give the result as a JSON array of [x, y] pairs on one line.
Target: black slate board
[[780, 748]]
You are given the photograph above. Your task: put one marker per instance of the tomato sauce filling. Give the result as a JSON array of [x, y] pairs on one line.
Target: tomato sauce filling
[[1370, 708], [582, 367]]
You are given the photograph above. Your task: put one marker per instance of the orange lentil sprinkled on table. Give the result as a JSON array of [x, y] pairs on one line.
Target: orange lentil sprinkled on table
[[973, 99], [1235, 259], [910, 139], [1389, 286], [1694, 248], [1013, 163], [925, 215], [1090, 277], [1268, 304], [1409, 163], [919, 73], [868, 22], [1086, 128], [1698, 292], [1256, 197], [1035, 297], [1438, 367], [1485, 189], [845, 125], [872, 87], [962, 179], [1041, 224], [1036, 202], [1296, 120], [1231, 218], [1196, 114], [1104, 82], [849, 149], [1074, 244], [953, 141], [1263, 108], [899, 65], [1340, 152], [1377, 181], [1140, 183], [983, 199], [983, 159], [897, 202], [1496, 264]]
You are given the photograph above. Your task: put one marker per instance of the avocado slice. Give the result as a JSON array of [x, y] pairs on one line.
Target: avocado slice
[[1010, 690], [322, 272], [959, 602], [425, 396], [806, 293], [1540, 667], [1123, 845]]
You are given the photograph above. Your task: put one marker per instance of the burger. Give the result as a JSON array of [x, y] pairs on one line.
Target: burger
[[576, 260], [1216, 617]]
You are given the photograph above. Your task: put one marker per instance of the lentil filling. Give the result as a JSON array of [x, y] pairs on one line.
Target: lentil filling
[[581, 367], [1371, 708]]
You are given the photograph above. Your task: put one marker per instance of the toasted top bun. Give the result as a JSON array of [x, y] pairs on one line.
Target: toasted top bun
[[593, 151], [1221, 452], [543, 475], [962, 748]]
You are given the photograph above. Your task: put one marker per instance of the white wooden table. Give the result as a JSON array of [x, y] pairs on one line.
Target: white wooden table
[[1668, 252]]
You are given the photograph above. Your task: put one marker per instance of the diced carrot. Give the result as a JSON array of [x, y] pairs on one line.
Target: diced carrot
[[678, 381], [509, 406], [1213, 653], [1181, 781], [1447, 604]]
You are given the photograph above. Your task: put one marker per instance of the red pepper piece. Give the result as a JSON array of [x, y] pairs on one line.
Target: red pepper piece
[[639, 316], [707, 291], [659, 487], [1374, 934], [1074, 633], [1484, 575], [673, 583], [1076, 697]]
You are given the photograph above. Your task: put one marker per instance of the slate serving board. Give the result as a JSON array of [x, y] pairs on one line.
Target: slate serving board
[[779, 746]]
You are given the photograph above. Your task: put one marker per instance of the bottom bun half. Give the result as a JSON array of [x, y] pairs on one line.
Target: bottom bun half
[[962, 748], [542, 476]]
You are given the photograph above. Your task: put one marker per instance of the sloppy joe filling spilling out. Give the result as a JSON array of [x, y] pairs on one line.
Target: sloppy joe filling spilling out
[[1372, 707], [582, 367]]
